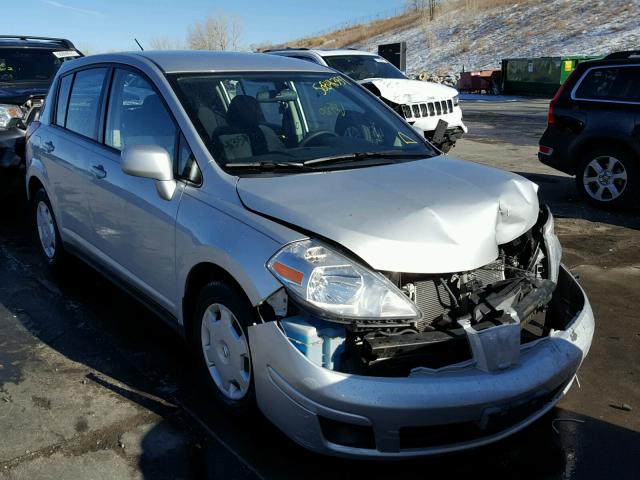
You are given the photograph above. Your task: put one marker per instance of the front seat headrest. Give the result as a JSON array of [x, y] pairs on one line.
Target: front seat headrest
[[244, 112]]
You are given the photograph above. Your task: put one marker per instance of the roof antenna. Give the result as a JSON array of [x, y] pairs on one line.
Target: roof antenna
[[136, 40]]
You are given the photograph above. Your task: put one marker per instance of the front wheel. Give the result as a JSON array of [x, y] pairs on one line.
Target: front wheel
[[608, 178], [219, 337]]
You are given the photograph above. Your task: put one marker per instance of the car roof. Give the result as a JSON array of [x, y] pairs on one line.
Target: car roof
[[326, 52], [25, 41], [184, 61], [609, 61]]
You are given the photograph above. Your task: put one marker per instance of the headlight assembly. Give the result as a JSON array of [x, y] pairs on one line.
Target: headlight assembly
[[553, 247], [337, 286], [10, 115], [456, 100]]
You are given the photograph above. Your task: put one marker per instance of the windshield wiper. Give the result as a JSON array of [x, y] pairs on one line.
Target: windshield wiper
[[266, 165], [363, 156]]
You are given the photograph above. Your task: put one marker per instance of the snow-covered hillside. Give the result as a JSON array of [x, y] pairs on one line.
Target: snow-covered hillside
[[463, 39]]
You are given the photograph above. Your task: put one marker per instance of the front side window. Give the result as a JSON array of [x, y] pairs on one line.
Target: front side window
[[289, 118], [84, 103], [610, 83], [137, 116], [360, 67]]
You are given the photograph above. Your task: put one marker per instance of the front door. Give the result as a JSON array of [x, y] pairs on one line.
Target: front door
[[133, 227]]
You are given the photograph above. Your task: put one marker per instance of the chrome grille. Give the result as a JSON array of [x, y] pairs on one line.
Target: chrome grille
[[429, 109]]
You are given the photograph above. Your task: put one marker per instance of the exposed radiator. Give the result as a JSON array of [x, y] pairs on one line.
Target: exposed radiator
[[433, 299]]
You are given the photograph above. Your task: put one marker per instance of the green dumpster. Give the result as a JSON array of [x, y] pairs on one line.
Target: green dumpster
[[538, 76]]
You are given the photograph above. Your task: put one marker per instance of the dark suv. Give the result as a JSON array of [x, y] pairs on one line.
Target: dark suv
[[27, 68], [593, 130]]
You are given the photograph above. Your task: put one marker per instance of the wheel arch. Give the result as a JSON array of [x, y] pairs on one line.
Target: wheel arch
[[33, 185], [199, 275], [592, 143]]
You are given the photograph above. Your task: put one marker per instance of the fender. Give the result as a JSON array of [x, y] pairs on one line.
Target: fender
[[206, 234]]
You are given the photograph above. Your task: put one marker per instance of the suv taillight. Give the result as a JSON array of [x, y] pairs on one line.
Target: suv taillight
[[551, 118]]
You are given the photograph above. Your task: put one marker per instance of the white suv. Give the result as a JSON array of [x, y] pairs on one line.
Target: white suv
[[423, 104]]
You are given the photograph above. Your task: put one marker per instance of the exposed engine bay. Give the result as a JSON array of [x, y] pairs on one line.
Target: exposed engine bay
[[512, 291]]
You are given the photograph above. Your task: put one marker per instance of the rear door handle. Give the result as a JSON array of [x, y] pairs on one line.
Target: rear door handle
[[98, 171], [49, 146]]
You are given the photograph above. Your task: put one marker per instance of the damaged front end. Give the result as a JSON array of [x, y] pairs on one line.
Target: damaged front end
[[424, 364], [406, 322]]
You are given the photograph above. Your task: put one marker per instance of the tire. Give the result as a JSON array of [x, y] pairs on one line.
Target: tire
[[219, 339], [46, 231], [609, 178]]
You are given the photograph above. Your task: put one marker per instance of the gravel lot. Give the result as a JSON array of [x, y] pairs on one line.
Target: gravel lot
[[92, 386]]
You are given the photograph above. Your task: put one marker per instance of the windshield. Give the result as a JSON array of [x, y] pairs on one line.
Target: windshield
[[360, 67], [292, 118], [31, 65]]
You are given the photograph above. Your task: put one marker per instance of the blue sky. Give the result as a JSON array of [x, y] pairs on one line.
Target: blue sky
[[112, 24]]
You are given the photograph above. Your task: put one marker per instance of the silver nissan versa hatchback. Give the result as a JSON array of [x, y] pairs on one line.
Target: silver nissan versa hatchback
[[372, 297]]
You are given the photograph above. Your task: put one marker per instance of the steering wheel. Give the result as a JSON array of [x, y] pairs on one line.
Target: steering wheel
[[315, 135]]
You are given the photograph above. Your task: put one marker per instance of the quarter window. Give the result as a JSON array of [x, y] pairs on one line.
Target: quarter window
[[611, 83], [84, 102], [63, 98], [137, 115], [187, 166]]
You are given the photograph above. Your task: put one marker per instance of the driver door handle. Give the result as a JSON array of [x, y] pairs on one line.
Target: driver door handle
[[98, 171]]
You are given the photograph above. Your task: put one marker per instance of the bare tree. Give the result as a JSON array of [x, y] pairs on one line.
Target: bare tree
[[166, 43], [416, 5], [216, 32], [428, 7]]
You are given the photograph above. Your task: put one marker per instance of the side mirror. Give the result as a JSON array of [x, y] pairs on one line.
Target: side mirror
[[150, 161]]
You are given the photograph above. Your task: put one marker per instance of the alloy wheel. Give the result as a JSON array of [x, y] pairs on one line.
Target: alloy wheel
[[604, 178]]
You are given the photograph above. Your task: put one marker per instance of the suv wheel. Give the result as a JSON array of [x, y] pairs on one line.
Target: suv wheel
[[220, 340], [608, 178], [47, 229]]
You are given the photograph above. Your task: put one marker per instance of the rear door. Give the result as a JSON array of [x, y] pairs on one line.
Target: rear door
[[133, 228], [67, 146]]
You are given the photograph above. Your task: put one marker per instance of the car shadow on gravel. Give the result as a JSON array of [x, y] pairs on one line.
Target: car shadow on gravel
[[560, 193]]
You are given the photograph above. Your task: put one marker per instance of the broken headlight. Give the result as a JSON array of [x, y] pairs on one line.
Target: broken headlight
[[553, 247], [336, 285], [10, 115]]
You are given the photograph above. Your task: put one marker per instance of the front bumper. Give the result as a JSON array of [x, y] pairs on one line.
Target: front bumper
[[11, 147], [430, 412]]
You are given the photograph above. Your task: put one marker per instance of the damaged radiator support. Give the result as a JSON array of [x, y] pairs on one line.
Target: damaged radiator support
[[491, 333]]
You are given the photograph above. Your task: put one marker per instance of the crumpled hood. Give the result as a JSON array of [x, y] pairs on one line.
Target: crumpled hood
[[436, 215], [404, 91]]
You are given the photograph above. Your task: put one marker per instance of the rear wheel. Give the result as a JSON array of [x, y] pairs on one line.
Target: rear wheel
[[608, 178], [47, 230], [219, 338]]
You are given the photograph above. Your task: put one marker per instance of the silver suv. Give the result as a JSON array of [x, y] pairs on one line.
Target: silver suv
[[372, 297]]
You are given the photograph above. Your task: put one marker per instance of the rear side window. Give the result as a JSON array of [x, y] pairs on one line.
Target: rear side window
[[84, 103], [610, 84], [63, 98], [137, 115]]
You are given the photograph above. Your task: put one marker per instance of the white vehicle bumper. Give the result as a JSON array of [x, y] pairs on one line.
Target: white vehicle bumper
[[454, 408]]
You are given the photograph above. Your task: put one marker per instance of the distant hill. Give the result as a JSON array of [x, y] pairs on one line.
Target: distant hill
[[477, 34]]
